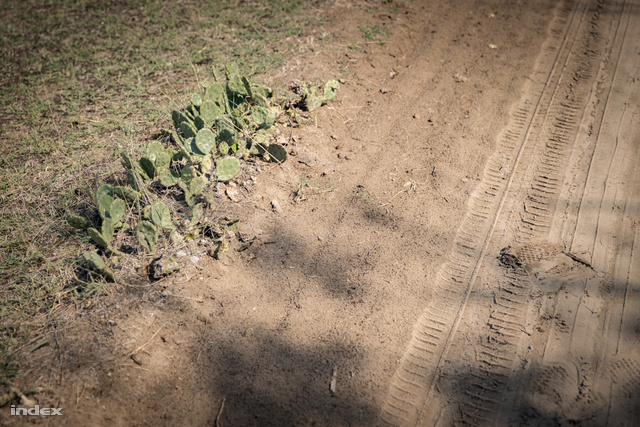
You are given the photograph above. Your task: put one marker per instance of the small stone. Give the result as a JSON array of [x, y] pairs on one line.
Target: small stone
[[459, 78], [304, 160], [385, 90], [392, 74], [275, 206], [233, 194], [136, 359]]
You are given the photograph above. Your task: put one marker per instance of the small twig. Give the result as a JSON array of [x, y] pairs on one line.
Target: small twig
[[79, 396], [220, 412], [145, 344]]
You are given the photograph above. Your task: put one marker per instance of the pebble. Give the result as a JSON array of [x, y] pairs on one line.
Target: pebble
[[233, 194]]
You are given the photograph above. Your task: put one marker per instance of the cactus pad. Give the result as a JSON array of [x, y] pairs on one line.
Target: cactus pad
[[277, 153], [147, 235], [330, 89], [209, 111], [188, 129], [77, 221], [153, 149], [148, 167], [161, 216], [227, 168], [98, 238], [205, 141], [167, 177], [264, 117], [223, 148]]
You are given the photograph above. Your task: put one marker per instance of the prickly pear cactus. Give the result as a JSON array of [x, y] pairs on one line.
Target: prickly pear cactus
[[277, 153], [223, 148], [94, 261], [161, 216], [167, 177], [77, 222], [147, 235], [209, 111], [205, 141], [227, 168], [188, 129], [264, 117], [148, 168], [153, 149], [330, 89]]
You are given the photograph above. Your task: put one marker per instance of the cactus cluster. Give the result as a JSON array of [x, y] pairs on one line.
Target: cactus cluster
[[313, 96], [228, 121]]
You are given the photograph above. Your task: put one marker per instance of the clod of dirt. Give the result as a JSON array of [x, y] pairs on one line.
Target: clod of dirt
[[233, 194], [275, 206]]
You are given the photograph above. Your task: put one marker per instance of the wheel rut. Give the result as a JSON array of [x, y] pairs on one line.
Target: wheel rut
[[531, 319]]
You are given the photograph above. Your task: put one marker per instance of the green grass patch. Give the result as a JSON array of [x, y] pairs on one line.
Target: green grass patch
[[81, 80]]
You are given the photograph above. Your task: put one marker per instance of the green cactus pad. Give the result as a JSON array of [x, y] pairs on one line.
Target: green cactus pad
[[277, 153], [224, 135], [205, 141], [223, 148], [126, 161], [153, 149], [209, 111], [179, 117], [330, 89], [148, 167], [196, 100], [239, 86], [98, 238], [161, 216], [107, 229], [225, 123], [199, 122], [116, 211], [197, 185], [127, 193], [187, 174], [163, 160], [95, 262], [77, 221], [167, 177], [206, 164], [215, 92], [147, 235], [261, 90], [227, 168], [131, 179], [260, 101], [195, 151], [188, 129], [264, 117], [262, 136], [104, 203], [312, 102]]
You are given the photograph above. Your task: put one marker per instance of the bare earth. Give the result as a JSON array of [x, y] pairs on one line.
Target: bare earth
[[455, 242]]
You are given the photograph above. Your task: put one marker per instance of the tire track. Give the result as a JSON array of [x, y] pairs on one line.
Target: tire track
[[522, 205], [414, 379]]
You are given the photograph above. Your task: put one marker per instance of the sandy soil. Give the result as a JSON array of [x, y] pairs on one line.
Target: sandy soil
[[454, 242]]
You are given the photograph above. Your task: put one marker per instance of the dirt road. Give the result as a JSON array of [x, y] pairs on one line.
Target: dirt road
[[534, 316], [454, 242]]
